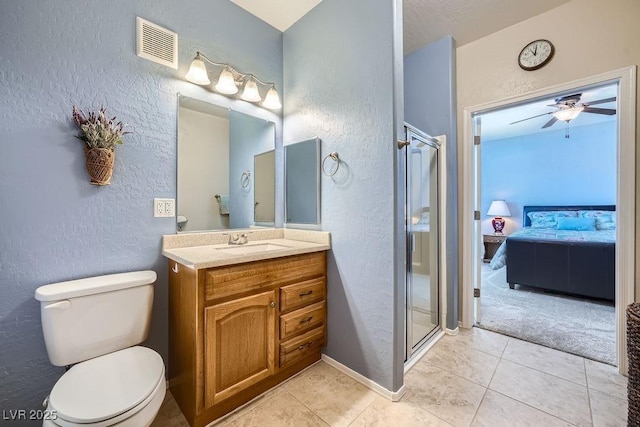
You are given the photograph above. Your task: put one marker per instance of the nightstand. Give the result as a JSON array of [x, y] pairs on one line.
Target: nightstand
[[491, 244]]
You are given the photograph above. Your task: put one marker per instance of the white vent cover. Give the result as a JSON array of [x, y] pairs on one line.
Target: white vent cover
[[156, 44]]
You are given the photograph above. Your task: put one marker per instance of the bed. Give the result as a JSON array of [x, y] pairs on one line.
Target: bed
[[568, 249]]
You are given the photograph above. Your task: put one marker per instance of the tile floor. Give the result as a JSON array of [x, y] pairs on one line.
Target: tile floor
[[478, 378]]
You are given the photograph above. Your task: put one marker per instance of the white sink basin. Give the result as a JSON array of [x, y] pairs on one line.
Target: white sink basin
[[251, 249]]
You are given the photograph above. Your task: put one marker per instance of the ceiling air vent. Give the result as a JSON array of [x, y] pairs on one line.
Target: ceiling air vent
[[156, 44]]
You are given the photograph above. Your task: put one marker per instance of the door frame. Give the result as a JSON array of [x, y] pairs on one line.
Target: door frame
[[625, 193]]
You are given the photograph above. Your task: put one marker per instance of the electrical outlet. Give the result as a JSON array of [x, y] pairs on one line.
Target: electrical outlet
[[164, 208]]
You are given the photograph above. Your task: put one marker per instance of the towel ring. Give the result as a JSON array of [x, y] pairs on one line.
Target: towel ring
[[244, 179], [333, 156]]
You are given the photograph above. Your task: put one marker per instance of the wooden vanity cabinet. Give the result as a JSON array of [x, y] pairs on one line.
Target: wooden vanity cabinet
[[236, 331]]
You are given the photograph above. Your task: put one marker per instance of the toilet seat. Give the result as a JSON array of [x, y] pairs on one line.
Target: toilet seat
[[109, 389]]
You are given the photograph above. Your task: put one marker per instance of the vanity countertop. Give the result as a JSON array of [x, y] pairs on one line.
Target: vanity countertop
[[205, 250]]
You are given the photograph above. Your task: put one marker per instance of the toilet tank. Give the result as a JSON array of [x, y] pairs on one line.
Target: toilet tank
[[86, 318]]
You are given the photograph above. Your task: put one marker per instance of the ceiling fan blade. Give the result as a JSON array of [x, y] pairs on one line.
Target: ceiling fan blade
[[601, 101], [550, 122], [533, 117], [605, 111]]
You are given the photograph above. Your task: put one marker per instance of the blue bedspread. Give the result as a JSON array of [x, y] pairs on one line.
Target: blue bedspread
[[551, 234]]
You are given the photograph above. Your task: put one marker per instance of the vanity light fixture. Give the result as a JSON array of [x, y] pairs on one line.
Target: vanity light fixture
[[229, 81]]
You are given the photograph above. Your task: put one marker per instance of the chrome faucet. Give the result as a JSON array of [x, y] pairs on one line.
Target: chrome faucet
[[238, 238]]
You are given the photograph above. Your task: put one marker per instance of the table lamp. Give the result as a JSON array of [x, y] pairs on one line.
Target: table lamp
[[498, 209]]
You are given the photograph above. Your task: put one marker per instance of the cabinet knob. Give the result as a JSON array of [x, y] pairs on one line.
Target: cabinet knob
[[273, 304]]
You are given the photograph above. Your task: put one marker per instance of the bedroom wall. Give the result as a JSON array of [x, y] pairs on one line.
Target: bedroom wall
[[548, 169], [55, 225], [487, 69]]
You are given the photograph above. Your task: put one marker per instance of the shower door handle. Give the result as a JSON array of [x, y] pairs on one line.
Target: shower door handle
[[402, 143], [413, 242]]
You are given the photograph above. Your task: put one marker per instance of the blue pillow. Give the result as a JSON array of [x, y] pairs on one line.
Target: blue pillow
[[577, 224]]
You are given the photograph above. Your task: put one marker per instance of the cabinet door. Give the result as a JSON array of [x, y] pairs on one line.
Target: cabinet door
[[240, 345]]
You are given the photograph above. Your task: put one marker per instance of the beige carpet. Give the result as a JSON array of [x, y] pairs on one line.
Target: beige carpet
[[579, 326]]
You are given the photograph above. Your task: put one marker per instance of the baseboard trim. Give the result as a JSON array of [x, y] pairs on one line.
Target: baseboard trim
[[452, 332], [394, 396]]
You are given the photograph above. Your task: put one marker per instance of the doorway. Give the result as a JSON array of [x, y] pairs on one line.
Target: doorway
[[625, 196]]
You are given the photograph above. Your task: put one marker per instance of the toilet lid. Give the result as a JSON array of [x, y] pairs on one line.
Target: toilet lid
[[107, 386]]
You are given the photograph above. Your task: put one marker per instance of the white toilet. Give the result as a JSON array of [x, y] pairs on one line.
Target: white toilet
[[95, 325]]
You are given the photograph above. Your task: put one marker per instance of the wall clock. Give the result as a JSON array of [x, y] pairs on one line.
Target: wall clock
[[536, 55]]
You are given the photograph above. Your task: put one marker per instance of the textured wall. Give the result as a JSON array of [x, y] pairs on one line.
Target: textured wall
[[430, 105], [55, 226], [338, 63], [547, 169]]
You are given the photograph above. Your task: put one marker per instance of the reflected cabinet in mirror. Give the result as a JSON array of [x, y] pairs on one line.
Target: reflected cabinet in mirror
[[218, 153], [302, 182]]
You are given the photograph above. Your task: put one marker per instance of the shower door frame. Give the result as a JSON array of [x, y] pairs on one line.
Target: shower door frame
[[413, 353]]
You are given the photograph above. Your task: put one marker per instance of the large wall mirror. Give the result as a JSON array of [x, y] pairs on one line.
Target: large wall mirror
[[226, 168], [302, 183]]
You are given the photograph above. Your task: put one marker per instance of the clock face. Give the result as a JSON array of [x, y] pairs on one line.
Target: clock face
[[536, 55]]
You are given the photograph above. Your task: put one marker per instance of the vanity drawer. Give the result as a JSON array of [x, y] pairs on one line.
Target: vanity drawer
[[299, 347], [222, 282], [302, 320], [301, 294]]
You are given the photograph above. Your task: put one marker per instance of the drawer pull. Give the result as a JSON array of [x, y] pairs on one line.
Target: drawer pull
[[304, 294], [306, 320], [305, 346]]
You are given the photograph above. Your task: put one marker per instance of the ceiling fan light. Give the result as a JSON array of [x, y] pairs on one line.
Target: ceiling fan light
[[198, 72], [568, 114], [226, 83], [250, 92]]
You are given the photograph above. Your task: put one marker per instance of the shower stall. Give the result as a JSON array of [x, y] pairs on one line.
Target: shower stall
[[423, 188]]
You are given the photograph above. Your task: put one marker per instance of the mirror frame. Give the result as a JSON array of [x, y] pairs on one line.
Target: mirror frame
[[308, 226]]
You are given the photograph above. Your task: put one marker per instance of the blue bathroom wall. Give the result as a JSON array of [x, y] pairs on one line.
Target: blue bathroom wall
[[430, 105], [548, 169], [248, 136], [54, 225], [339, 79]]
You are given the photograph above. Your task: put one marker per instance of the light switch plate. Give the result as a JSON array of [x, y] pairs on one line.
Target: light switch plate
[[164, 208]]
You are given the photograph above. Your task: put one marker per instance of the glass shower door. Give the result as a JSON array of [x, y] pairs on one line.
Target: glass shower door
[[423, 299]]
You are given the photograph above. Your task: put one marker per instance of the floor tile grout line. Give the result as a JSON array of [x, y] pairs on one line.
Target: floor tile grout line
[[532, 407], [311, 410], [543, 372], [460, 376], [475, 413]]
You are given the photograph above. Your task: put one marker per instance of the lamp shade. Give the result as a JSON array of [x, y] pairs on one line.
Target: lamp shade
[[250, 92], [272, 100], [198, 72], [499, 208], [568, 114], [226, 83]]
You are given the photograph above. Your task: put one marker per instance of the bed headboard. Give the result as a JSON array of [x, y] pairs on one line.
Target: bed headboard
[[526, 222]]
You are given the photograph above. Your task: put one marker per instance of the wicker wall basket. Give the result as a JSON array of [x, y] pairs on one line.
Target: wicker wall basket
[[633, 352], [99, 163]]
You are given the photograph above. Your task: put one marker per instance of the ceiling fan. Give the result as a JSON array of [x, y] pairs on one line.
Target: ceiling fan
[[569, 107]]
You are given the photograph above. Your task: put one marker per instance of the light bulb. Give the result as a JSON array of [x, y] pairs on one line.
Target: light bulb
[[198, 72], [568, 114], [250, 92], [226, 83], [272, 100]]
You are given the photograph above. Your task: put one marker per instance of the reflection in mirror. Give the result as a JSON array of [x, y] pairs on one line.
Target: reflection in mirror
[[302, 182], [216, 146], [265, 188]]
